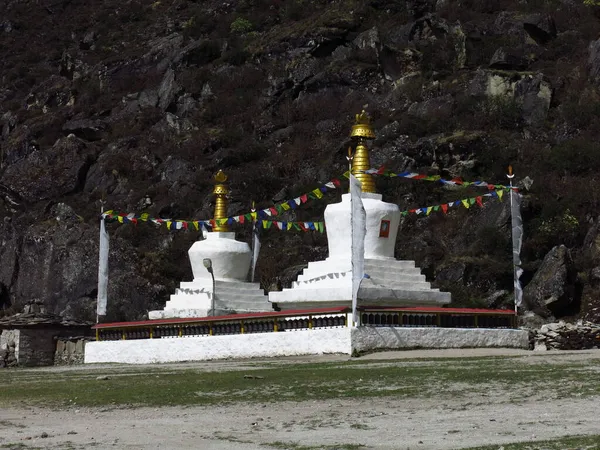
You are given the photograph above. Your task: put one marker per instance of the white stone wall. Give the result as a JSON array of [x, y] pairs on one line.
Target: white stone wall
[[373, 338], [292, 343]]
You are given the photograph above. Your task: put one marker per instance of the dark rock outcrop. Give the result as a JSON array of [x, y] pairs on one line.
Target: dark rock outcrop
[[142, 111], [551, 291]]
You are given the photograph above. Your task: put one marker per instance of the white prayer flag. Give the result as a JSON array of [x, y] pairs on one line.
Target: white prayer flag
[[358, 219], [102, 271]]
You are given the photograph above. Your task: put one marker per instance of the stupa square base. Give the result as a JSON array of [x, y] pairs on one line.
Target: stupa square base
[[202, 348], [305, 342]]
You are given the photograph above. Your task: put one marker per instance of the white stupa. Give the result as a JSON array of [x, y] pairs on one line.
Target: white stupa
[[390, 282], [229, 260]]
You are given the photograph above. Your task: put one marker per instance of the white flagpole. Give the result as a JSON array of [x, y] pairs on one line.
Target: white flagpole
[[516, 226], [255, 243], [102, 296], [357, 251]]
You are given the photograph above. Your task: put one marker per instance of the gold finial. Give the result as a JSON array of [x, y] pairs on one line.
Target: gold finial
[[362, 126], [221, 202], [361, 130], [220, 176]]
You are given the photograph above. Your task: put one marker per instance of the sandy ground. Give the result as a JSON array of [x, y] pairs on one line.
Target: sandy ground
[[383, 423]]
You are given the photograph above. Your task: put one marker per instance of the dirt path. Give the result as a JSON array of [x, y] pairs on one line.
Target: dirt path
[[381, 423]]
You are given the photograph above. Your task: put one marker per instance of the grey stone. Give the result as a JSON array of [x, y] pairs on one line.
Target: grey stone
[[511, 59], [435, 108], [594, 59], [167, 90], [535, 95], [550, 291], [51, 173], [88, 129], [368, 40]]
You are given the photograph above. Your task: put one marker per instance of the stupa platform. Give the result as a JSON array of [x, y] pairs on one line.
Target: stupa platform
[[302, 332], [194, 299], [387, 282]]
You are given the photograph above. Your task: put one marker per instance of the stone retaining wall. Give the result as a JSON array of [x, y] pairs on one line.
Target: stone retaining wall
[[566, 336], [70, 350], [9, 348]]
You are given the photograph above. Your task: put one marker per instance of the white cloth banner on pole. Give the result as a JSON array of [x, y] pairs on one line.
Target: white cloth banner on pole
[[517, 242], [255, 250], [358, 220], [102, 271]]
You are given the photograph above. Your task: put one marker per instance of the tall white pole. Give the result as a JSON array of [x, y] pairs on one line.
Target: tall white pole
[[510, 177], [101, 218]]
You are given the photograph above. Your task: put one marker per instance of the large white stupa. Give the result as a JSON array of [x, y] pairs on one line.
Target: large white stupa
[[228, 260], [387, 282]]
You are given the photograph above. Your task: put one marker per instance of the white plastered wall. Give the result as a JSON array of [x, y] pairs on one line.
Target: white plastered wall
[[292, 343]]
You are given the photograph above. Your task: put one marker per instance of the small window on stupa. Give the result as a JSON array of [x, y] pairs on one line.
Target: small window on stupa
[[384, 229]]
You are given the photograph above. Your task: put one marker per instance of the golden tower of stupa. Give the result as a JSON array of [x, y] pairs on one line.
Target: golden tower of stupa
[[361, 131], [221, 191]]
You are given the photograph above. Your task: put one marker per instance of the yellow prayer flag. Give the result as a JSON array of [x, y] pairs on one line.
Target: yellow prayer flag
[[465, 203], [169, 223], [429, 208], [318, 193], [500, 194]]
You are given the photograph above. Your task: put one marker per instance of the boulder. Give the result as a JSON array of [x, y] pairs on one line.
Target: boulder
[[551, 291], [509, 59], [535, 95], [52, 93], [537, 28], [594, 59], [434, 108], [88, 129], [49, 173], [591, 243], [167, 90], [531, 92]]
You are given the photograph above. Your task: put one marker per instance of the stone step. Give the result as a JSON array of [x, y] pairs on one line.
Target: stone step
[[241, 285], [386, 274], [332, 266], [382, 280], [391, 263], [243, 305]]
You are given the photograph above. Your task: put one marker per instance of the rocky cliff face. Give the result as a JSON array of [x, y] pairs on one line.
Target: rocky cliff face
[[140, 103]]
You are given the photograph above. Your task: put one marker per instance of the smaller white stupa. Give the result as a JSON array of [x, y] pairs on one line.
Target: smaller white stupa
[[228, 261], [387, 282]]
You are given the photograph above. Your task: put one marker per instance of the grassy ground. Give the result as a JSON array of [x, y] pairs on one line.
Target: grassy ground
[[569, 442], [265, 382]]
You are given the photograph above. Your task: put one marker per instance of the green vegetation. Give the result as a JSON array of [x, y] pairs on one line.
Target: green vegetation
[[241, 25], [579, 442], [296, 446], [160, 385]]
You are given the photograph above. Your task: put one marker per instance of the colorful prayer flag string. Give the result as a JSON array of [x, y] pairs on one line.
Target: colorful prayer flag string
[[436, 178]]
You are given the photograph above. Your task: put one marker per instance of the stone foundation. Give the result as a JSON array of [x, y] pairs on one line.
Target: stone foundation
[[366, 339], [9, 348], [70, 351], [342, 340]]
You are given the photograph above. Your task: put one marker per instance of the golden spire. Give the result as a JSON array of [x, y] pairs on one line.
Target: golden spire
[[361, 131], [221, 202]]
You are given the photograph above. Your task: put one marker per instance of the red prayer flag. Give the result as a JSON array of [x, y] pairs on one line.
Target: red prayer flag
[[445, 208], [479, 201]]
